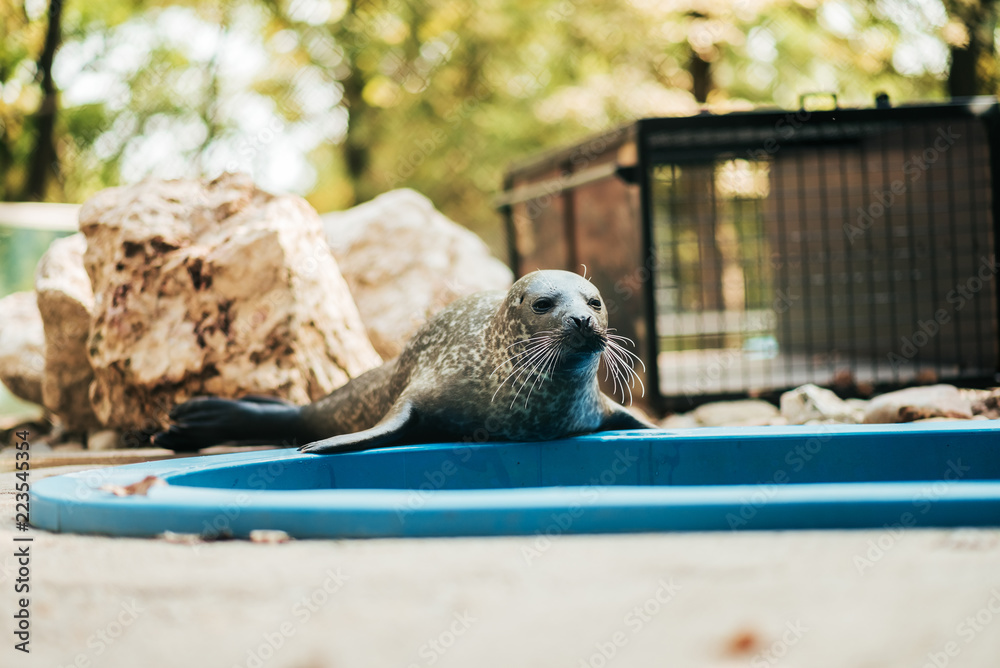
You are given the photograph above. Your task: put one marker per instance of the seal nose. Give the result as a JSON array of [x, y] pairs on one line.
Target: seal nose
[[581, 334]]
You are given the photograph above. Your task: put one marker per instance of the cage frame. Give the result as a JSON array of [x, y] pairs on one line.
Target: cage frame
[[639, 150]]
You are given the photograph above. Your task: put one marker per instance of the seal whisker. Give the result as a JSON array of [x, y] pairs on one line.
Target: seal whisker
[[534, 338], [609, 369], [627, 359], [627, 363], [550, 368], [542, 371], [625, 385], [626, 368], [620, 338], [537, 336], [616, 353], [536, 344], [547, 371], [613, 340], [629, 355], [623, 366], [523, 366], [533, 369], [529, 354], [614, 362]]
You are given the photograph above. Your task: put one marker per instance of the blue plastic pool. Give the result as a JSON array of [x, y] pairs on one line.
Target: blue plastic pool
[[931, 474]]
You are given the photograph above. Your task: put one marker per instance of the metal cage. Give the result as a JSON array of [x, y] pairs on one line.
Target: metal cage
[[752, 252]]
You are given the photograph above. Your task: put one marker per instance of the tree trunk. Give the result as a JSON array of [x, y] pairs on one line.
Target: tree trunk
[[44, 161], [701, 77], [962, 78], [356, 149], [973, 69]]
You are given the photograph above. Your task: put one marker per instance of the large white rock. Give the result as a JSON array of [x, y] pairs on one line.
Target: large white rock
[[918, 403], [810, 403], [680, 421], [65, 301], [22, 346], [743, 413], [404, 261], [986, 403], [213, 288]]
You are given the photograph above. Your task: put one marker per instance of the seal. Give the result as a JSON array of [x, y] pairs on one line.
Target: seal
[[520, 366]]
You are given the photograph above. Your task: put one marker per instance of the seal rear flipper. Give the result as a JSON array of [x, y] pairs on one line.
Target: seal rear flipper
[[261, 399], [203, 422], [390, 430]]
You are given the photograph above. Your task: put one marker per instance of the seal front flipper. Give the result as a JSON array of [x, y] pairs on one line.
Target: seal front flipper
[[390, 430], [618, 417], [203, 422]]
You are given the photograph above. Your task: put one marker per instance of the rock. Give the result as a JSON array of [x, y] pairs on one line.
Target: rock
[[679, 421], [917, 403], [987, 404], [68, 446], [857, 405], [809, 402], [22, 346], [212, 287], [745, 413], [65, 301], [404, 261], [269, 536], [181, 538], [742, 413], [104, 439], [974, 396]]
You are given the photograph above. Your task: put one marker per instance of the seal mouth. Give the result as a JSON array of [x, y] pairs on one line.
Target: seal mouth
[[580, 334], [584, 341]]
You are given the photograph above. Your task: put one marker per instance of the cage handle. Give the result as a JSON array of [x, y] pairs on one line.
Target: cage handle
[[816, 94]]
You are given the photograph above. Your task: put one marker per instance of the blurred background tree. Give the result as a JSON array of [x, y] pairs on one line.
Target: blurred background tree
[[339, 100]]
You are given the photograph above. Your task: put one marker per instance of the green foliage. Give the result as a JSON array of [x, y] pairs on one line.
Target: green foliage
[[343, 99]]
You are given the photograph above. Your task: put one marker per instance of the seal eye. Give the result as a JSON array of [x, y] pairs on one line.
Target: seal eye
[[595, 304], [542, 305]]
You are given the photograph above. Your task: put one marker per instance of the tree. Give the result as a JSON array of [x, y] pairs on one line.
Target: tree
[[971, 42], [43, 155], [436, 95]]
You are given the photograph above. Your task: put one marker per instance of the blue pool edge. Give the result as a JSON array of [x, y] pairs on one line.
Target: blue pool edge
[[74, 502]]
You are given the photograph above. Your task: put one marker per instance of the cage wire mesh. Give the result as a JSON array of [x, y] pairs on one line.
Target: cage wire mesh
[[853, 248]]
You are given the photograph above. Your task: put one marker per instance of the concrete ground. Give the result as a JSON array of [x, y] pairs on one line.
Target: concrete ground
[[853, 598]]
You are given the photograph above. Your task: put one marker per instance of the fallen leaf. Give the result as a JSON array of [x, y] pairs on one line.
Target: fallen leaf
[[136, 488], [181, 538], [742, 642], [269, 536]]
